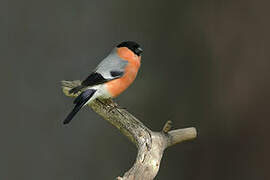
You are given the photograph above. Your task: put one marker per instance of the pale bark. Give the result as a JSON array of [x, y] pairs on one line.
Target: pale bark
[[150, 144]]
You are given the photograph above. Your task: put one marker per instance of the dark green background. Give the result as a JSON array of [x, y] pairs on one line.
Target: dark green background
[[205, 64]]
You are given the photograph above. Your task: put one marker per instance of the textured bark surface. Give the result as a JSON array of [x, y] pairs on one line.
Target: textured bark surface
[[150, 144]]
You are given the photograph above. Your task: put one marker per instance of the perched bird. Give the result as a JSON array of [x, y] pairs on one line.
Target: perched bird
[[110, 78]]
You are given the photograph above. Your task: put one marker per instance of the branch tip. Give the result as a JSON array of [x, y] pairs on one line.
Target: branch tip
[[167, 126]]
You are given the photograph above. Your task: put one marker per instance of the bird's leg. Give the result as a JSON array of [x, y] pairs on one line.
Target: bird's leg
[[120, 107], [114, 105], [111, 105], [106, 104]]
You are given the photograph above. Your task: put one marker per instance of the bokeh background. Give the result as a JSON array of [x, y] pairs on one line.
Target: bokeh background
[[205, 64]]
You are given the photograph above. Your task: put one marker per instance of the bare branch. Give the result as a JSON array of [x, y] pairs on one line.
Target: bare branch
[[180, 135], [150, 144]]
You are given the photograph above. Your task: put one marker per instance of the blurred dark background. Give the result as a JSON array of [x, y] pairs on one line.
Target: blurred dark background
[[205, 64]]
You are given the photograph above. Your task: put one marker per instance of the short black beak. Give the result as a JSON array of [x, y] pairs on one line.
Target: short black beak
[[138, 51]]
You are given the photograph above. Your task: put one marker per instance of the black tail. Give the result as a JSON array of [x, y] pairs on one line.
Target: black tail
[[79, 102], [76, 89]]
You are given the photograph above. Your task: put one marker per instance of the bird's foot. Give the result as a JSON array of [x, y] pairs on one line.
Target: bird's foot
[[113, 106]]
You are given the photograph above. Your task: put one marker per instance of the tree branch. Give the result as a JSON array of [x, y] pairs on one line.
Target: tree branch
[[150, 144]]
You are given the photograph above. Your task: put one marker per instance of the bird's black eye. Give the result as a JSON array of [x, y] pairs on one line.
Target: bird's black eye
[[133, 46]]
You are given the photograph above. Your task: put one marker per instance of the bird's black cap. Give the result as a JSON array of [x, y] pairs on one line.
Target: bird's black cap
[[133, 46]]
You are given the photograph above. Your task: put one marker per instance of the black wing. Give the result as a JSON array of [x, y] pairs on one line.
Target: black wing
[[96, 78], [93, 79]]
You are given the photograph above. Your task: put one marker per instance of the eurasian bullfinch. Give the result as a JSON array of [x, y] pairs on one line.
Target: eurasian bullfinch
[[110, 78]]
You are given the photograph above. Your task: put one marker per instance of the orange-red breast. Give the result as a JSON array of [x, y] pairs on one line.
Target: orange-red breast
[[112, 76]]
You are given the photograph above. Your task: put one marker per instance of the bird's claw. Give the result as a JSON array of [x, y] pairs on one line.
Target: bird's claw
[[115, 106], [111, 105]]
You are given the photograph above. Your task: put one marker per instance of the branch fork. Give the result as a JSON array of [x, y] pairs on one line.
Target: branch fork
[[150, 144]]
